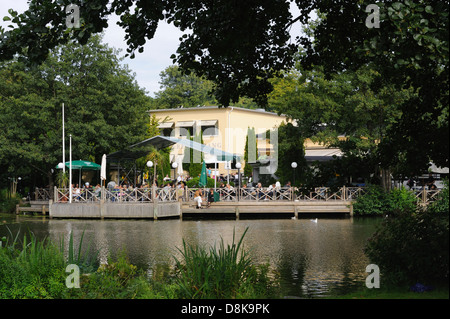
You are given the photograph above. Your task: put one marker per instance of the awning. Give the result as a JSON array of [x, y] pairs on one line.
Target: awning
[[185, 124], [165, 125], [322, 154], [208, 123]]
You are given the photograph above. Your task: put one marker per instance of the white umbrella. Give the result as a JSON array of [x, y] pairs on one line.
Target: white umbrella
[[103, 168]]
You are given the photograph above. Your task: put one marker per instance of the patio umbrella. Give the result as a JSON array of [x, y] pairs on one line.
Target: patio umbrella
[[203, 180], [83, 165], [103, 169]]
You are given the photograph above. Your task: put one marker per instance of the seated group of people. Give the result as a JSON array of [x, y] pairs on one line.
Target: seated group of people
[[199, 201]]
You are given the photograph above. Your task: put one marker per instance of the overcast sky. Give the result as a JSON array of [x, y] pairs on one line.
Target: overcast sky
[[147, 65]]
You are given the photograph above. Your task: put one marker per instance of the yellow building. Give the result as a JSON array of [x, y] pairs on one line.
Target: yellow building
[[222, 128]]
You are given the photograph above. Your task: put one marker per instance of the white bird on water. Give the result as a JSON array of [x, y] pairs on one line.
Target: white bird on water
[[314, 220]]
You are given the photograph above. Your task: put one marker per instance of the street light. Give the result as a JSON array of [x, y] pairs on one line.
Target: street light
[[238, 166], [294, 166], [150, 165], [174, 166]]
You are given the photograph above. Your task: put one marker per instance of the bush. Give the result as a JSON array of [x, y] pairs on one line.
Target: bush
[[376, 202], [8, 203], [194, 182], [412, 247]]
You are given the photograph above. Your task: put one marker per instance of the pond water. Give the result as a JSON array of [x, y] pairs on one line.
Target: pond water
[[313, 259]]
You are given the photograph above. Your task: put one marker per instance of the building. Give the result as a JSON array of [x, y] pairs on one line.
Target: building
[[222, 128]]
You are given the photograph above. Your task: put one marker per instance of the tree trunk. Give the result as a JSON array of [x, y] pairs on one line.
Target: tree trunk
[[386, 181], [51, 184]]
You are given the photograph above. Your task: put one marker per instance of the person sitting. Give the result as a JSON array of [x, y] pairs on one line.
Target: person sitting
[[210, 197], [198, 200]]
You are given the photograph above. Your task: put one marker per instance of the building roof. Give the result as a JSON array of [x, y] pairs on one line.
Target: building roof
[[199, 108]]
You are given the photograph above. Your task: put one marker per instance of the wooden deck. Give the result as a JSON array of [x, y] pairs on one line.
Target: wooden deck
[[292, 208]]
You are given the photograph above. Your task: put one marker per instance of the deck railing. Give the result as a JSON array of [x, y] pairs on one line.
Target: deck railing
[[142, 195]]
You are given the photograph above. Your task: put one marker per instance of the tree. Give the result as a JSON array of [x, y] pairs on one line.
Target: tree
[[105, 110], [351, 110], [251, 136], [238, 45], [291, 149], [179, 89], [409, 49]]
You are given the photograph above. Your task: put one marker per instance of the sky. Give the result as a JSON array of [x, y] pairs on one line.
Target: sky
[[148, 65]]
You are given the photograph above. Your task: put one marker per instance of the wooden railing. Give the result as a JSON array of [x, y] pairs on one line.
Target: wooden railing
[[136, 195], [142, 195]]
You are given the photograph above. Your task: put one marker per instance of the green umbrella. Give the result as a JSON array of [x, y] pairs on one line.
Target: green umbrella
[[203, 180], [83, 165]]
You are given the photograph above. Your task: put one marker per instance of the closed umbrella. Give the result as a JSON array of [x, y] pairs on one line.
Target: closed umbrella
[[203, 179], [103, 169]]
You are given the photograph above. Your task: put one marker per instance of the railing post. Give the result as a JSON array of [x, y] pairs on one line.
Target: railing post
[[344, 193], [56, 195]]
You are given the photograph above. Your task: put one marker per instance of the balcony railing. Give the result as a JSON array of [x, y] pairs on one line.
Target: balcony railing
[[146, 195]]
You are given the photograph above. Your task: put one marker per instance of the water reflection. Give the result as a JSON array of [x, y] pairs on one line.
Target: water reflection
[[311, 258]]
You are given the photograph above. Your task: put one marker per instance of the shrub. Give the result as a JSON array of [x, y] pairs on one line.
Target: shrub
[[412, 247], [194, 182], [376, 202]]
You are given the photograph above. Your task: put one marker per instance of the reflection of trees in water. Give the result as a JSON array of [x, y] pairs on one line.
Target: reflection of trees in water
[[309, 258]]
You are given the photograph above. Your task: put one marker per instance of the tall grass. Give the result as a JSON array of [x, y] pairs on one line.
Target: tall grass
[[30, 268], [221, 272]]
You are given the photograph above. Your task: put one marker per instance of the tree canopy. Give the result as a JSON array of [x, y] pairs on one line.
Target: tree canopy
[[241, 45], [105, 110]]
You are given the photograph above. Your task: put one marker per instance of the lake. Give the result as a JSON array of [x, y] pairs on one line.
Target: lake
[[313, 259]]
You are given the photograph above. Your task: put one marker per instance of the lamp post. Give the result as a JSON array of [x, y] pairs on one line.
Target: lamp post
[[150, 165], [238, 166], [174, 166], [294, 166]]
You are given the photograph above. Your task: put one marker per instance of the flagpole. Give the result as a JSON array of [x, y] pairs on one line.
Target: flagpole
[[70, 168], [63, 144]]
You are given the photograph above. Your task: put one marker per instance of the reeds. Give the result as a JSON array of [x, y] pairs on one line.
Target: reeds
[[220, 272]]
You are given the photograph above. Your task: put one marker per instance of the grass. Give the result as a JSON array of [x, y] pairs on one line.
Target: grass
[[36, 269], [222, 272]]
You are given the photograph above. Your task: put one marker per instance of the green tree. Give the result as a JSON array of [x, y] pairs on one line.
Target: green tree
[[351, 110], [409, 49], [179, 89], [251, 135], [105, 110], [291, 149], [237, 45]]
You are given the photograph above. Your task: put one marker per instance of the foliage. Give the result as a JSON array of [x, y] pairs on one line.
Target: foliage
[[408, 50], [194, 182], [104, 109], [31, 270], [221, 272], [378, 202], [413, 246], [179, 89], [8, 202], [248, 170], [238, 46], [290, 149]]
